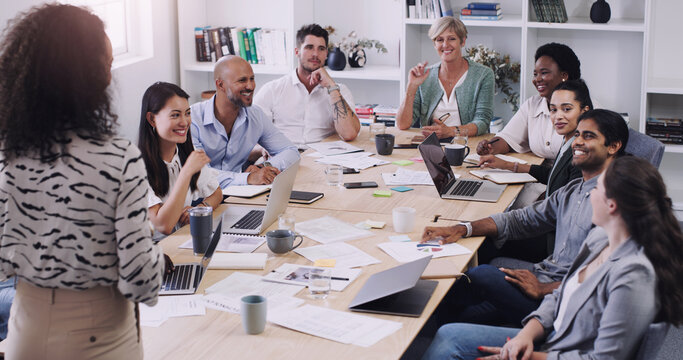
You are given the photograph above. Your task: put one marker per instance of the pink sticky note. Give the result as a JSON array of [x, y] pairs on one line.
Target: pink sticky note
[[417, 158]]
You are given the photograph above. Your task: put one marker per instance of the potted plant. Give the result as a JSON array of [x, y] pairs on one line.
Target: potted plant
[[353, 46], [505, 71]]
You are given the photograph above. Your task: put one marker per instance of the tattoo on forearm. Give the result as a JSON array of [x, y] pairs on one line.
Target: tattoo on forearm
[[341, 109]]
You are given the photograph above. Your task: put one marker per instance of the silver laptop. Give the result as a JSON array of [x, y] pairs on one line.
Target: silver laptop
[[244, 219], [185, 278], [396, 291], [446, 184]]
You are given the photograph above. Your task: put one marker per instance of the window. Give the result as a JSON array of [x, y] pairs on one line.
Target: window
[[124, 21]]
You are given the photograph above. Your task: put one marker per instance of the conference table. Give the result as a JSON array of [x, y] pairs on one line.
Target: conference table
[[220, 334]]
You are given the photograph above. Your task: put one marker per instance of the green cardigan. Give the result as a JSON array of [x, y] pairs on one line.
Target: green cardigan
[[474, 96]]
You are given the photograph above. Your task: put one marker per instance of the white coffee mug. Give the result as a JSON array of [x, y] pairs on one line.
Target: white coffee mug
[[404, 219]]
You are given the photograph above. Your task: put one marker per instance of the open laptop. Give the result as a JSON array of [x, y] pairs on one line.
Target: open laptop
[[396, 291], [251, 220], [446, 184], [185, 278]]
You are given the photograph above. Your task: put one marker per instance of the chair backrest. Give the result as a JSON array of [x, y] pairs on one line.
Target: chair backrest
[[644, 146], [652, 341]]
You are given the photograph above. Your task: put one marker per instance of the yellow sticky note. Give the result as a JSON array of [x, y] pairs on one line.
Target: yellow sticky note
[[375, 224], [325, 262], [402, 162], [382, 193]]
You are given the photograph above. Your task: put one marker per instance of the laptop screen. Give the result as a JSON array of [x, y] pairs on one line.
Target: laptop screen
[[212, 245], [436, 162]]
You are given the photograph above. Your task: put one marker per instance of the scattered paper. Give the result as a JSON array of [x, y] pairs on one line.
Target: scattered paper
[[500, 176], [340, 326], [375, 224], [296, 274], [328, 229], [334, 147], [171, 306], [359, 160], [410, 251], [234, 243], [474, 158], [399, 238], [239, 284], [407, 177], [248, 261], [274, 303], [346, 255]]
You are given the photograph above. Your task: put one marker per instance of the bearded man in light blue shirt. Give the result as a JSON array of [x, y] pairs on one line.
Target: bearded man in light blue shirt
[[227, 127]]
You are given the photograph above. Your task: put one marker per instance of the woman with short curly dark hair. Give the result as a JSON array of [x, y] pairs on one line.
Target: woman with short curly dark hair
[[73, 226]]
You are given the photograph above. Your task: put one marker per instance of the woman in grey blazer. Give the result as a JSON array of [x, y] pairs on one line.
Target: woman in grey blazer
[[623, 278]]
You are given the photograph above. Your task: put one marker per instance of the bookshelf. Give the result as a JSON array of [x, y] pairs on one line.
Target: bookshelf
[[377, 82]]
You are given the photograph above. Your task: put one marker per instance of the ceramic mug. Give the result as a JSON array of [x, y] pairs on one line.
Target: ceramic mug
[[281, 241]]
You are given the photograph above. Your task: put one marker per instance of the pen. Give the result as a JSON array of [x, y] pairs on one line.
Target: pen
[[444, 116], [423, 245], [472, 166], [339, 278], [493, 141]]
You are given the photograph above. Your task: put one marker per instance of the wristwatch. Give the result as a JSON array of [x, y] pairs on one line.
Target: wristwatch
[[332, 88], [468, 226]]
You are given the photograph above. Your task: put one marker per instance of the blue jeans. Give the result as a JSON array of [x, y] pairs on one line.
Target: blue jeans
[[7, 292], [486, 299], [460, 341]]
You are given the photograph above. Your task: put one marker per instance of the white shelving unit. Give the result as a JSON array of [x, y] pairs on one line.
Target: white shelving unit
[[377, 82], [607, 52], [663, 76]]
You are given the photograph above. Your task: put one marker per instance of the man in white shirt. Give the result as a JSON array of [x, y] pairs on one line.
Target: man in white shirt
[[306, 104]]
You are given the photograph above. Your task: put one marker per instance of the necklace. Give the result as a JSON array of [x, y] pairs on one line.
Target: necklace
[[451, 81]]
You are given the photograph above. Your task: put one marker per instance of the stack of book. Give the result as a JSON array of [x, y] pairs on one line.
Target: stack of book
[[481, 11], [665, 130], [386, 114], [256, 45], [366, 113], [429, 9], [552, 11]]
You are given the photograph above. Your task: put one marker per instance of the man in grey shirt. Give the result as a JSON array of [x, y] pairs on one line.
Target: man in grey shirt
[[495, 293]]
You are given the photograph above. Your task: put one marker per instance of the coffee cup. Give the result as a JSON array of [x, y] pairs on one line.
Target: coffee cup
[[281, 241], [384, 144], [253, 309], [456, 153], [404, 219]]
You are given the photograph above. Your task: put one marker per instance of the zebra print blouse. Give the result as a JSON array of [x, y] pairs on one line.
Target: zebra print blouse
[[80, 221]]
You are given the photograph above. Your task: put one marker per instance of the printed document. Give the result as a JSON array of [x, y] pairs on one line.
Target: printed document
[[234, 243], [359, 160], [410, 251], [474, 158], [335, 325], [328, 229], [232, 304], [239, 284], [171, 306], [346, 256], [334, 147], [296, 274], [408, 177]]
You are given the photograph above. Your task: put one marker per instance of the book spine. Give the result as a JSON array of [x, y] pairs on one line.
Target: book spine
[[225, 49], [240, 41], [252, 45], [480, 12], [480, 17], [199, 43], [235, 41], [446, 9], [483, 6], [563, 10], [215, 45], [558, 12], [247, 49], [537, 10], [258, 40], [207, 44]]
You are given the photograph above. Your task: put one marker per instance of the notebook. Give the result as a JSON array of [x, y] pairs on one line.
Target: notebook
[[245, 219], [445, 182], [500, 176], [185, 279], [396, 291]]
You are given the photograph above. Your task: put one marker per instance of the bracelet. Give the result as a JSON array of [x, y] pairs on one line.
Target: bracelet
[[515, 166], [468, 226], [332, 88]]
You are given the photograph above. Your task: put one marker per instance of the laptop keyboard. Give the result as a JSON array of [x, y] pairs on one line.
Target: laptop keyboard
[[179, 279], [251, 220], [466, 187]]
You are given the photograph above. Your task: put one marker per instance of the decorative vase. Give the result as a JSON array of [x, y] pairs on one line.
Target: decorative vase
[[600, 12], [336, 60], [357, 58]]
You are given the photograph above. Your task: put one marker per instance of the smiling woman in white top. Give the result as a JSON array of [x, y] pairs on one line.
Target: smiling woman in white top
[[178, 175], [531, 128]]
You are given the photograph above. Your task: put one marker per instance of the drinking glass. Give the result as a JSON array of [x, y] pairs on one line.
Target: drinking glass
[[376, 128], [319, 280], [334, 175]]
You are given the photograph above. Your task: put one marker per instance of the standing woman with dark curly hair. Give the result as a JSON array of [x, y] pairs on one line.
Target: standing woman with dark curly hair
[[618, 284], [73, 226]]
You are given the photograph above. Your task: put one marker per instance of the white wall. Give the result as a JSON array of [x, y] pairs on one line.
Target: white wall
[[130, 81]]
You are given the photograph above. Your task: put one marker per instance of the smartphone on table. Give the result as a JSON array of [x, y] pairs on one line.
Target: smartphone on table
[[359, 185]]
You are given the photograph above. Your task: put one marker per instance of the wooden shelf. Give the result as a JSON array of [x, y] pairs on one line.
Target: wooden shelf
[[671, 148], [671, 86]]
